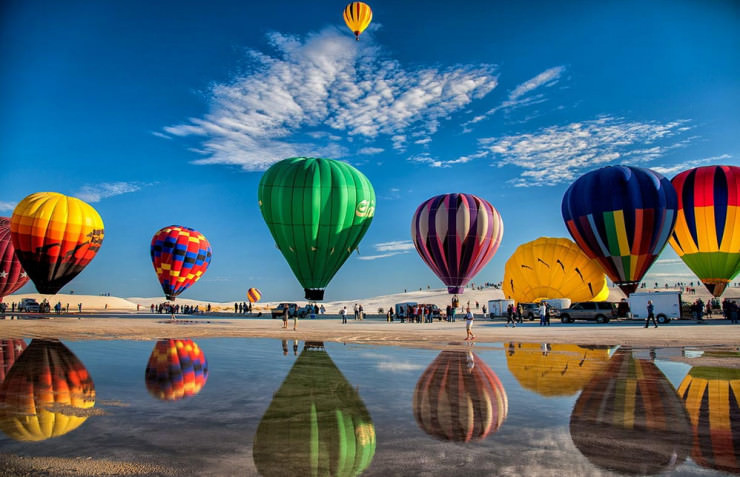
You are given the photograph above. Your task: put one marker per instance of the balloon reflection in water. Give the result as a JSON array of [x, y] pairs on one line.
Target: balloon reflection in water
[[459, 398], [47, 393], [176, 369], [711, 397], [316, 423], [629, 419], [560, 370], [10, 350]]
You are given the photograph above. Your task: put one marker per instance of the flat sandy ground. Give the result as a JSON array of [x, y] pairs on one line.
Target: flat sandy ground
[[371, 331]]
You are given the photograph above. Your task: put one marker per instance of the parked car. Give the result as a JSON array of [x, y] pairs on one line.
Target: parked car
[[29, 305], [530, 311], [600, 312], [277, 312]]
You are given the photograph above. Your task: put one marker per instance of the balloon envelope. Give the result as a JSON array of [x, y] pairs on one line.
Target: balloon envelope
[[55, 237], [629, 418], [12, 275], [357, 16], [552, 268], [316, 423], [459, 398], [176, 369], [317, 210], [253, 295], [47, 393], [621, 216], [180, 256], [707, 232], [456, 235], [712, 399]]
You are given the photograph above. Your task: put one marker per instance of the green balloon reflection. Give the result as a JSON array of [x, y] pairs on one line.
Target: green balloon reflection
[[316, 423]]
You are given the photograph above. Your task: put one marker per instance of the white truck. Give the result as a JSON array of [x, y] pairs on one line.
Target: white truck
[[666, 305], [497, 308]]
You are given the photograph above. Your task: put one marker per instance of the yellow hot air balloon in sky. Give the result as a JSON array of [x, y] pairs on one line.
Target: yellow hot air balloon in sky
[[357, 16], [553, 268]]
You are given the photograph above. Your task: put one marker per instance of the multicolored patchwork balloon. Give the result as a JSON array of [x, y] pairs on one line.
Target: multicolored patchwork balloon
[[707, 233], [12, 275], [47, 393], [180, 256], [456, 235], [621, 216], [459, 398], [253, 295], [176, 369], [55, 237]]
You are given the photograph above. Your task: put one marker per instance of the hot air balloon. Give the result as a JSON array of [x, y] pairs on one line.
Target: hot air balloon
[[55, 237], [459, 398], [621, 216], [553, 268], [317, 210], [316, 423], [47, 393], [357, 16], [711, 396], [629, 418], [559, 370], [707, 232], [12, 275], [180, 256], [456, 235], [253, 295], [10, 350], [176, 369]]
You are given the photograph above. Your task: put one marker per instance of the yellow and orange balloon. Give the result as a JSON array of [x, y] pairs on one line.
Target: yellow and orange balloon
[[55, 237], [253, 295], [357, 16]]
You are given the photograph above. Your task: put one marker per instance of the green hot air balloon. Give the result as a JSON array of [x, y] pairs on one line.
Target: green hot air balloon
[[317, 210], [316, 423]]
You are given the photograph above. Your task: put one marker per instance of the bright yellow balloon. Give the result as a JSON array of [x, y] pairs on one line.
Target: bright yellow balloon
[[553, 268], [357, 16]]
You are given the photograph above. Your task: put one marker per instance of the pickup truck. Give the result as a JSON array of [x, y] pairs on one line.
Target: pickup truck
[[29, 305], [293, 308]]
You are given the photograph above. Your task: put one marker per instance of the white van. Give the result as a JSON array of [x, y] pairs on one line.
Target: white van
[[666, 305], [401, 309]]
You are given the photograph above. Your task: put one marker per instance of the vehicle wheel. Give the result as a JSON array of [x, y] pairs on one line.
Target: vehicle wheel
[[601, 319], [531, 317], [662, 319], [564, 319]]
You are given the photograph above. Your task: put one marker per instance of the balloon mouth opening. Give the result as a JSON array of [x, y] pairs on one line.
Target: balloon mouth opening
[[716, 288], [314, 293], [170, 297], [628, 287], [455, 290]]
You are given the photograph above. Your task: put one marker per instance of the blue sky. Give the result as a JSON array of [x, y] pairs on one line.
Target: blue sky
[[161, 113]]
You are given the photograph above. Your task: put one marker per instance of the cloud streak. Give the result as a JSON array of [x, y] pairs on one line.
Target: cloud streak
[[6, 206], [104, 190], [325, 80], [389, 249]]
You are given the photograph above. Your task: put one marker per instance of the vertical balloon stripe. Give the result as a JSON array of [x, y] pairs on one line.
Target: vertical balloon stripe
[[592, 234]]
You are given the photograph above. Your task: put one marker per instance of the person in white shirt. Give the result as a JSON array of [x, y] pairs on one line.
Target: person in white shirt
[[469, 318]]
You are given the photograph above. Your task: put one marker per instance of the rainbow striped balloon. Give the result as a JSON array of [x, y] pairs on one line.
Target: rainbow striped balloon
[[180, 256], [621, 216], [253, 295], [456, 235], [707, 233]]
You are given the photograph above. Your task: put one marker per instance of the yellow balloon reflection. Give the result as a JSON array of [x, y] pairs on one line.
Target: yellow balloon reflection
[[47, 393], [555, 369], [316, 423], [711, 396], [629, 418], [459, 398]]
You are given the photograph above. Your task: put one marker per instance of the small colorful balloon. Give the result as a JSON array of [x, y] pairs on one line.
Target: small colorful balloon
[[180, 256], [253, 295]]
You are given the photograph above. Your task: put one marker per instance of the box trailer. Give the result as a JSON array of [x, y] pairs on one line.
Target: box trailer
[[497, 308], [666, 305]]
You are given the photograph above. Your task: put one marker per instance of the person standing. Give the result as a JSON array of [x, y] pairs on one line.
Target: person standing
[[519, 312], [343, 314], [650, 314], [543, 313], [469, 319], [357, 311], [286, 313], [510, 318], [295, 319]]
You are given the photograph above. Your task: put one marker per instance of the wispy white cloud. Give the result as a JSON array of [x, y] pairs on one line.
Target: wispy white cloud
[[369, 151], [389, 249], [98, 192], [6, 206], [676, 168], [325, 80], [560, 153], [667, 261], [520, 97]]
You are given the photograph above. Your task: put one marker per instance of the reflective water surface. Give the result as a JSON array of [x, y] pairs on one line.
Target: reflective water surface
[[284, 408]]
